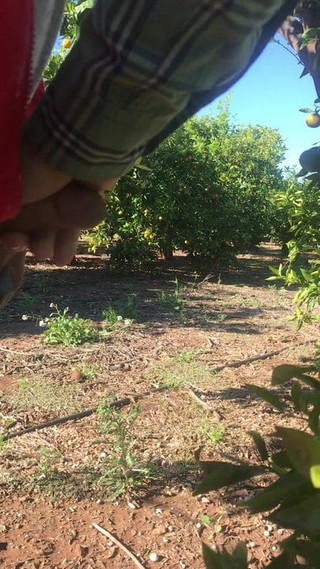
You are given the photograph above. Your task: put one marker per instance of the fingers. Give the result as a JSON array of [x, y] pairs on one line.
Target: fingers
[[65, 246], [15, 241], [58, 246], [42, 245]]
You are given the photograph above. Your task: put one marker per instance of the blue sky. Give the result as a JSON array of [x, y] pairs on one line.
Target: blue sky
[[271, 94]]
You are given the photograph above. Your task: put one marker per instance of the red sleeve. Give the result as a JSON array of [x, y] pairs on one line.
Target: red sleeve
[[16, 35]]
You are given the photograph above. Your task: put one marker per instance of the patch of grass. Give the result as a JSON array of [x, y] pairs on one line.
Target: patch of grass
[[62, 328], [278, 289], [175, 372], [47, 396]]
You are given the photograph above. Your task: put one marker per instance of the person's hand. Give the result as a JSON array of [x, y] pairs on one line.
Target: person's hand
[[49, 223], [49, 229], [39, 181], [46, 227]]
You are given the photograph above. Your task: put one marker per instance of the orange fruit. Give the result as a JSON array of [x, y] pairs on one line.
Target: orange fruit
[[313, 120], [67, 42]]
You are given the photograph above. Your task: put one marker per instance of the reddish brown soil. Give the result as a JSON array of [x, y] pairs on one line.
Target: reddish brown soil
[[47, 512]]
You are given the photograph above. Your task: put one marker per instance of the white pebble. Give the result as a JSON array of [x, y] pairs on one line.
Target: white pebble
[[154, 557], [266, 533]]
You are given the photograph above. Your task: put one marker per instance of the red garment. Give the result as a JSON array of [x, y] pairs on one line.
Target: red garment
[[16, 42]]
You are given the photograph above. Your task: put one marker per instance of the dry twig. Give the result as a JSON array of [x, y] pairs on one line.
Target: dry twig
[[119, 544]]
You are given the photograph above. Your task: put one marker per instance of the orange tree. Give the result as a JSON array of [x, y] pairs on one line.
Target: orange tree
[[75, 11], [206, 191]]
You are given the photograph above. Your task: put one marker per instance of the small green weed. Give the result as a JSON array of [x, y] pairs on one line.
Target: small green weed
[[62, 328], [40, 282], [221, 317], [278, 289], [204, 320], [129, 309], [186, 356], [48, 460], [88, 371], [111, 316], [123, 472], [213, 432], [171, 300], [214, 523], [122, 317]]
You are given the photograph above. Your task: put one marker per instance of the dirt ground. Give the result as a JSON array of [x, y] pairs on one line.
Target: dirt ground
[[185, 340]]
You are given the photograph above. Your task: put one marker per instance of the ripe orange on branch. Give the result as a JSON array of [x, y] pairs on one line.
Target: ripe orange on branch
[[313, 120], [67, 42]]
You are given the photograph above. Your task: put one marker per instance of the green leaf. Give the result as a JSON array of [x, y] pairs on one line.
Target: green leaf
[[274, 494], [224, 560], [282, 562], [281, 459], [315, 476], [212, 560], [314, 418], [283, 373], [205, 520], [266, 395], [304, 517], [240, 556], [302, 448], [260, 444], [298, 398], [220, 474], [309, 550]]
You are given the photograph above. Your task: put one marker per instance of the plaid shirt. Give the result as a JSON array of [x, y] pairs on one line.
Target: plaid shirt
[[139, 70]]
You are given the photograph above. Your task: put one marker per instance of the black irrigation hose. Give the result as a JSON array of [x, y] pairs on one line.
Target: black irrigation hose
[[81, 414], [127, 400]]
